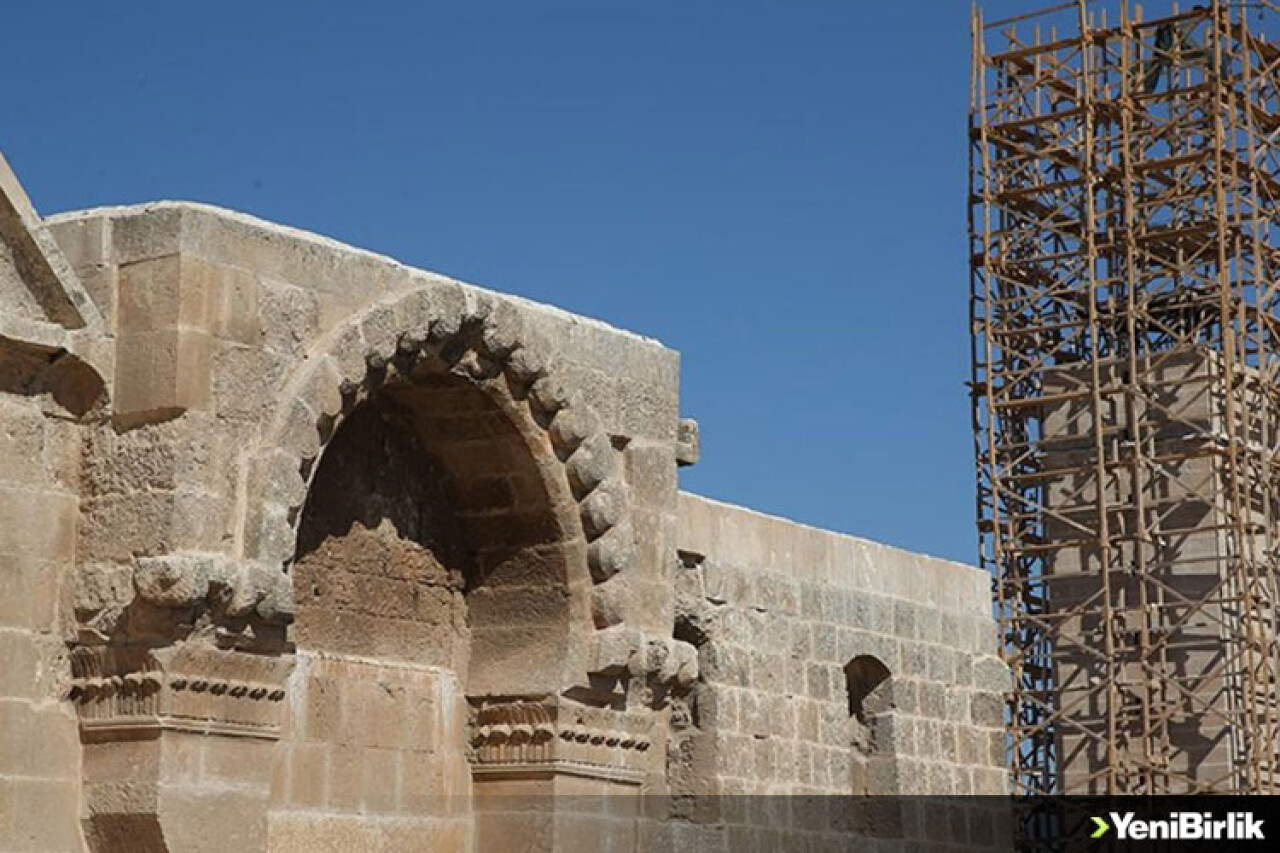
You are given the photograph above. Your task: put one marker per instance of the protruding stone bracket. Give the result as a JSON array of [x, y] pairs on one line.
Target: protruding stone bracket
[[71, 366], [212, 589], [667, 665], [688, 443]]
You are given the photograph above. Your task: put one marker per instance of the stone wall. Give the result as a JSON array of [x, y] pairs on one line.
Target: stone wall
[[39, 748], [304, 549], [44, 393], [217, 318], [830, 666], [1175, 509], [373, 756]]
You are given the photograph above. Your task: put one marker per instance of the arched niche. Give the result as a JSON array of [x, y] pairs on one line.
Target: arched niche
[[868, 687], [435, 532], [436, 346], [874, 767]]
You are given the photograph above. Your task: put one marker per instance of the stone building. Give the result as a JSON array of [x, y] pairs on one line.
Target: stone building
[[303, 549]]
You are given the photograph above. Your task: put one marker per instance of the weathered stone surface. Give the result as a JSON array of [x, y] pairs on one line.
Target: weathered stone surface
[[33, 269], [886, 690], [174, 580], [688, 442], [353, 556]]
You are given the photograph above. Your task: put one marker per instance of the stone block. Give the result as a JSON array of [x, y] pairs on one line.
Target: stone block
[[233, 762], [32, 587], [157, 295], [308, 775], [824, 643], [905, 624], [990, 782], [990, 674], [648, 410], [725, 663], [19, 675], [22, 446], [17, 757], [245, 381], [420, 785], [346, 778], [289, 316], [380, 782], [144, 234], [37, 524], [818, 682], [987, 709], [933, 699], [768, 673], [44, 815], [320, 701], [231, 300], [717, 707], [55, 748], [160, 374], [6, 807]]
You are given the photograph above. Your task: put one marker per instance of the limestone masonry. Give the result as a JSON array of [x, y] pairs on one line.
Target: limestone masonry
[[302, 549]]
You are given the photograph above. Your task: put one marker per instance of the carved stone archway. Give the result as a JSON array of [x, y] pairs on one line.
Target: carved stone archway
[[219, 682], [479, 340], [472, 386]]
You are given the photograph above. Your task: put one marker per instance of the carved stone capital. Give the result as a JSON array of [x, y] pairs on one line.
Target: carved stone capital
[[120, 691], [523, 739]]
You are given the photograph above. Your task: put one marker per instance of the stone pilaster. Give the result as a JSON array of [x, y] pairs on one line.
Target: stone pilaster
[[178, 745], [552, 775]]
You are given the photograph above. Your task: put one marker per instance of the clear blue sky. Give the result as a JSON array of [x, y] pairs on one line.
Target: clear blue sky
[[775, 189]]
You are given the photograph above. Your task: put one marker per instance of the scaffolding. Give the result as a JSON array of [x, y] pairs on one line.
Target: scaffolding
[[1124, 307]]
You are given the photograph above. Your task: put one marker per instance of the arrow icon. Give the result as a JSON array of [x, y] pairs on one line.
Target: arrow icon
[[1103, 826]]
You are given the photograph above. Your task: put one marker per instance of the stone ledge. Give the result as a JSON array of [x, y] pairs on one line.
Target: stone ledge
[[503, 771]]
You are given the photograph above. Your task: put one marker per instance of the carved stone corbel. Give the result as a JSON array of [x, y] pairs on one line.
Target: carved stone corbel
[[525, 739]]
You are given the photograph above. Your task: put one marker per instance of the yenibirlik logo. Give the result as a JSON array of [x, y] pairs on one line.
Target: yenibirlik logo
[[1181, 826]]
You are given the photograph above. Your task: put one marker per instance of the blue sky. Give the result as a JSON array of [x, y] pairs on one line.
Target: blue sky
[[775, 189]]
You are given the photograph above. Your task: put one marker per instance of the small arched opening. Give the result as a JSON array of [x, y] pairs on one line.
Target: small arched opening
[[873, 764], [868, 688]]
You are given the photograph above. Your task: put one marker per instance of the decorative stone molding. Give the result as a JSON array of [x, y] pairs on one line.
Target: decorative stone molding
[[481, 339], [118, 691], [511, 739]]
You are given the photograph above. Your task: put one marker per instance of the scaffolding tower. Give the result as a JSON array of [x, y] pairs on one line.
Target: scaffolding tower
[[1124, 261]]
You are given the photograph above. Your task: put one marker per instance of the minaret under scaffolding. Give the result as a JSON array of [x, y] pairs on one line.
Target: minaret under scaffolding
[[1125, 174]]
